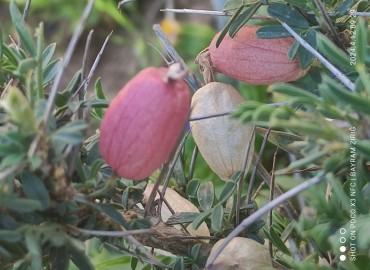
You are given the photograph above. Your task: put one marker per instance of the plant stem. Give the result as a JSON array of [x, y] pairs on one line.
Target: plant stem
[[265, 209], [190, 78], [336, 72], [113, 233], [39, 79], [247, 156], [209, 12], [254, 172], [67, 57]]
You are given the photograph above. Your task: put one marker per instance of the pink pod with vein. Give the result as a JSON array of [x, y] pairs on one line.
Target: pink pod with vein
[[143, 123], [247, 58]]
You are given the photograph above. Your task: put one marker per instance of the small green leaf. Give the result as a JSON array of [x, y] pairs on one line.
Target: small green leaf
[[228, 25], [138, 224], [337, 57], [202, 217], [288, 15], [10, 55], [21, 28], [344, 8], [308, 160], [34, 250], [98, 112], [74, 106], [363, 6], [293, 91], [192, 187], [232, 5], [22, 205], [364, 148], [78, 255], [283, 140], [125, 198], [12, 160], [48, 54], [74, 83], [243, 18], [70, 133], [99, 90], [227, 191], [217, 217], [361, 41], [341, 95], [34, 188], [178, 173], [60, 257], [111, 212], [205, 195], [182, 217], [274, 237], [1, 46], [19, 110], [8, 222], [305, 58], [51, 70], [10, 236], [273, 31], [25, 66], [195, 251], [113, 263], [95, 167], [293, 50], [62, 98], [133, 263], [40, 46], [179, 264]]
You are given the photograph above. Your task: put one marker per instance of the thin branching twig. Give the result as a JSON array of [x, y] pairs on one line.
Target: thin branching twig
[[254, 171], [289, 209], [359, 13], [263, 210], [192, 163], [96, 62], [81, 94], [329, 25], [202, 117], [26, 10], [67, 57], [176, 157], [198, 11], [210, 12], [84, 69], [85, 82], [247, 156], [113, 233], [271, 197], [194, 84], [336, 72]]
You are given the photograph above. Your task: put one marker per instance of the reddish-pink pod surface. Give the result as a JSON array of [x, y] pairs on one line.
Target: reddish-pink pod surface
[[247, 58], [143, 123]]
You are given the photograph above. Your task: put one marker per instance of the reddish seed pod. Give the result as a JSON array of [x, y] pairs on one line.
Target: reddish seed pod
[[247, 58], [143, 123]]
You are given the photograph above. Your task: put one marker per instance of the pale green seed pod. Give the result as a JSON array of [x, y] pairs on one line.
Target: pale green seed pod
[[222, 141]]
